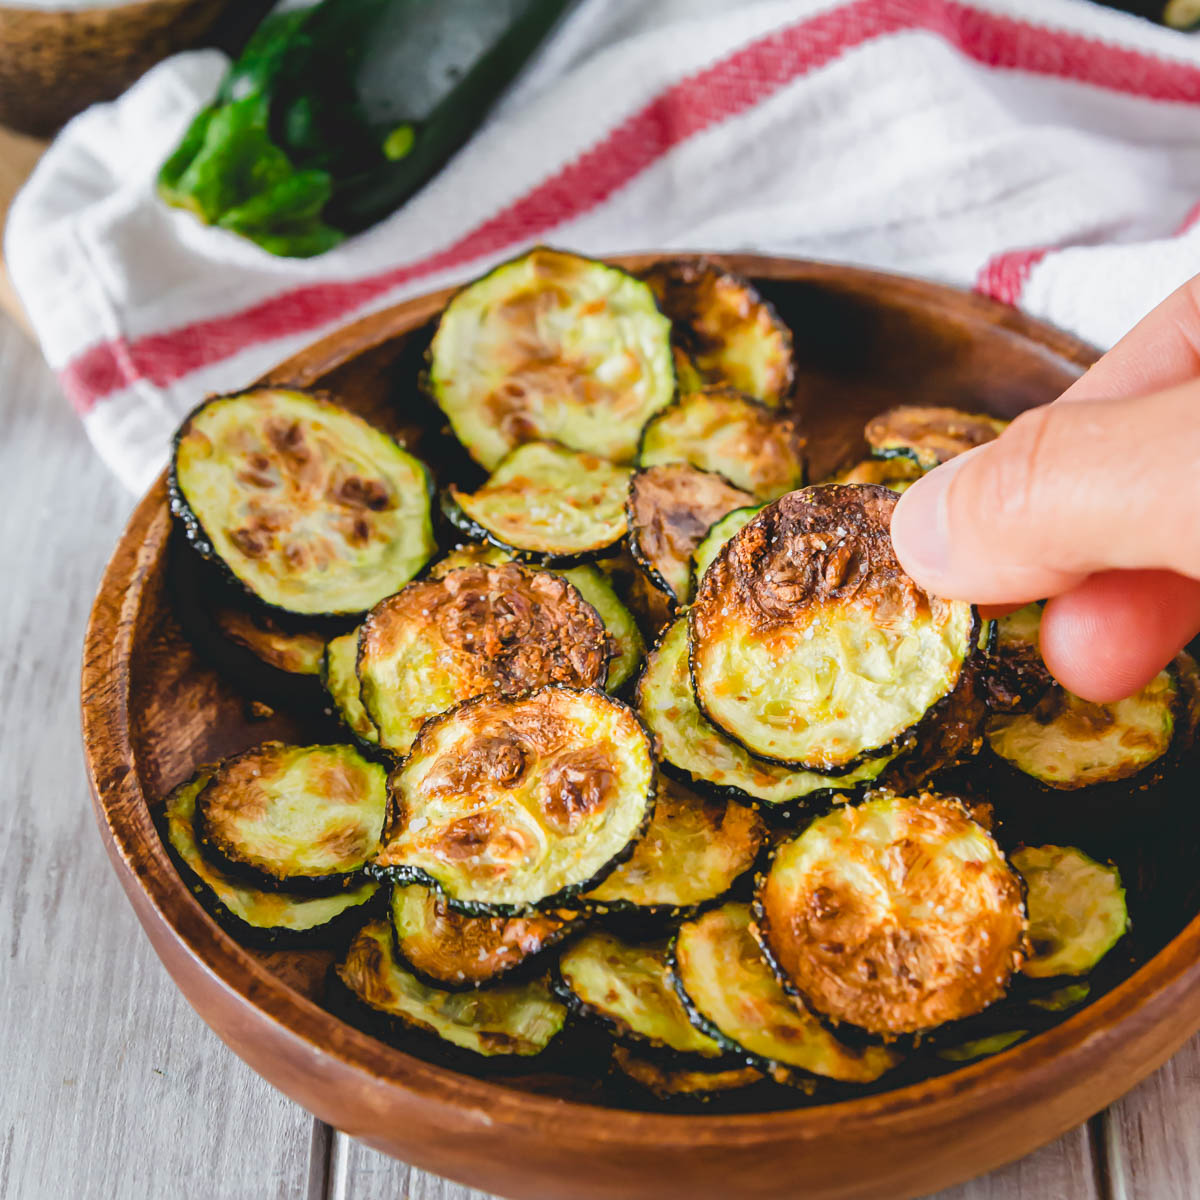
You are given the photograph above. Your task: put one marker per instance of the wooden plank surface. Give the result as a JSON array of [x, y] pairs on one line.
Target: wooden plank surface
[[113, 1088]]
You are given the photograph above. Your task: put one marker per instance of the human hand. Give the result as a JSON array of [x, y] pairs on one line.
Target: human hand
[[1093, 501]]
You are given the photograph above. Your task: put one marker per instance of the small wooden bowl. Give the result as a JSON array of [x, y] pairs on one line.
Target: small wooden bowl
[[152, 711]]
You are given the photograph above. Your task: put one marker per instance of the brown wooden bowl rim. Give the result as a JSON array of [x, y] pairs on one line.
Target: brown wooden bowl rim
[[123, 811]]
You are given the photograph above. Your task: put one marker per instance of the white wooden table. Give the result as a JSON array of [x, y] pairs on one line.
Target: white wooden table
[[110, 1086]]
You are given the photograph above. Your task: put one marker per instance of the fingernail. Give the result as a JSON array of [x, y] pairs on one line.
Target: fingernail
[[921, 526]]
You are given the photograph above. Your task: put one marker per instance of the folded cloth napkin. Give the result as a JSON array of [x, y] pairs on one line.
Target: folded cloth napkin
[[1046, 152]]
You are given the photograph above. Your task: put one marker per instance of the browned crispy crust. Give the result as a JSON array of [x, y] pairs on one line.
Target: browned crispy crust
[[296, 651], [669, 510], [932, 434]]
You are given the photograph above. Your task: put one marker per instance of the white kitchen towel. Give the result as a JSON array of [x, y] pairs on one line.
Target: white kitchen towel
[[1046, 152]]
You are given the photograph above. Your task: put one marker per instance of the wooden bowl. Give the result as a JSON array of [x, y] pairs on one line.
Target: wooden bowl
[[152, 711]]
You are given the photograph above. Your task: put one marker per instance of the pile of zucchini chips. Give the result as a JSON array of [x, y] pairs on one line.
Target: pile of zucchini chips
[[767, 852]]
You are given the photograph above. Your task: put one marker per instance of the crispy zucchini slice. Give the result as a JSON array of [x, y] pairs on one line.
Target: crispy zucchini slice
[[1077, 911], [669, 1080], [929, 434], [546, 502], [341, 682], [507, 1019], [670, 509], [898, 473], [687, 375], [296, 651], [719, 532], [1067, 743], [448, 950], [511, 803], [729, 333], [259, 918], [982, 1047], [894, 916], [812, 647], [627, 988], [730, 993], [1069, 996], [689, 746], [310, 508], [720, 430], [298, 818], [693, 851], [1017, 675], [593, 585], [479, 629], [556, 347]]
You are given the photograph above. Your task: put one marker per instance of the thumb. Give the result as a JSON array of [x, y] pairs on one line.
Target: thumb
[[1066, 491]]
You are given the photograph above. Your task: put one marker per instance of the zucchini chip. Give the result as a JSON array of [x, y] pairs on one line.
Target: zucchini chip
[[669, 1080], [508, 1019], [982, 1047], [1067, 743], [670, 509], [728, 332], [692, 853], [448, 950], [898, 473], [547, 503], [310, 508], [1017, 675], [895, 916], [718, 534], [628, 989], [1077, 910], [298, 651], [511, 803], [1061, 999], [479, 629], [593, 585], [730, 994], [552, 346], [298, 818], [812, 647], [341, 682], [720, 430], [690, 747], [929, 435], [258, 918]]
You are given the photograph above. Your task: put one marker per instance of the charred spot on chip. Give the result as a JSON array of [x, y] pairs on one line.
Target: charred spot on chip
[[497, 840], [928, 434], [551, 346], [477, 629], [306, 505], [670, 509], [895, 916], [720, 430], [727, 331], [811, 646], [1017, 675]]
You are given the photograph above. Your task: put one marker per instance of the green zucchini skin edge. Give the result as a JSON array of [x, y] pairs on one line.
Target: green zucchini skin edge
[[298, 885], [564, 897], [197, 536], [901, 744], [371, 751]]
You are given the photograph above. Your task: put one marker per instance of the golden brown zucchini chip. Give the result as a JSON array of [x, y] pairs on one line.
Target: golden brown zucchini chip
[[296, 651], [669, 1080], [895, 916], [720, 430], [473, 554], [693, 852], [451, 951], [476, 630], [690, 747], [730, 993], [729, 333], [670, 509], [310, 508], [1077, 911], [1017, 675], [507, 1019], [339, 675], [627, 988], [274, 919], [898, 473], [507, 804], [929, 435], [547, 503], [812, 647], [304, 819], [552, 346]]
